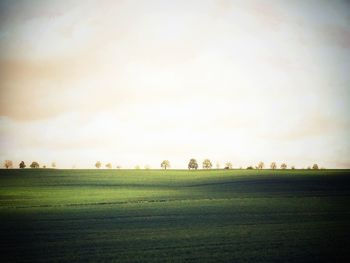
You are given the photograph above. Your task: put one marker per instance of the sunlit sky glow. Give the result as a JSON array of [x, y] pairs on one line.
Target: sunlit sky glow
[[136, 82]]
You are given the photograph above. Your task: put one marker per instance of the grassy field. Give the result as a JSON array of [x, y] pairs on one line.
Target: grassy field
[[174, 216]]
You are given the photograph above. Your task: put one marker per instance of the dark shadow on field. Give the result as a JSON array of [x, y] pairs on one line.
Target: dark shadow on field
[[257, 219], [205, 232], [290, 186]]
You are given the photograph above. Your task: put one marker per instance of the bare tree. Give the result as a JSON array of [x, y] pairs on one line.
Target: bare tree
[[165, 164], [228, 165], [193, 164], [8, 164], [315, 166], [283, 166], [260, 165], [98, 164], [109, 165], [207, 164], [34, 165], [22, 165], [273, 165]]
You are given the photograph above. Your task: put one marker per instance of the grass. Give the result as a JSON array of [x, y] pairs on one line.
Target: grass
[[174, 216]]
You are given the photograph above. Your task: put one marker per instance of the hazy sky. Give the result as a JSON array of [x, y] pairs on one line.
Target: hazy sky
[[136, 82]]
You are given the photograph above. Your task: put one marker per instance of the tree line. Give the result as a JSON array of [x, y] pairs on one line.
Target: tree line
[[9, 164], [165, 164], [207, 164]]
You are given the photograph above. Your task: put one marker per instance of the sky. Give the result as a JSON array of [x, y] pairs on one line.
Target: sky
[[136, 82]]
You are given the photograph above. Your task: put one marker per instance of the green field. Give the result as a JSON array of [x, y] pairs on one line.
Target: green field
[[174, 216]]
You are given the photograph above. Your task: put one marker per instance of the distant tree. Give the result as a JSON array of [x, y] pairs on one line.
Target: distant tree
[[193, 164], [250, 168], [137, 167], [98, 164], [22, 165], [207, 164], [217, 165], [147, 167], [283, 166], [292, 167], [8, 164], [309, 168], [34, 165], [53, 165], [165, 164], [260, 165], [119, 167], [44, 166], [273, 165], [228, 165], [315, 166], [109, 165]]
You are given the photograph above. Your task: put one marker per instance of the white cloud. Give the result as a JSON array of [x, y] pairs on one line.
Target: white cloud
[[135, 82]]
